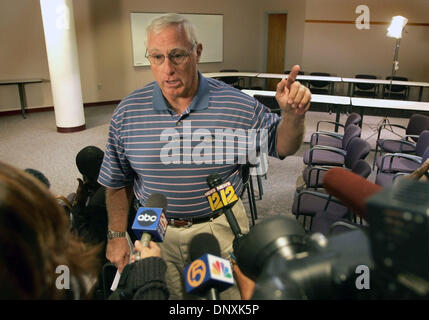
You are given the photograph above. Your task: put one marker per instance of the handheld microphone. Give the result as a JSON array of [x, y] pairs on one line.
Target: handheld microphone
[[352, 189], [150, 221], [208, 274], [222, 196]]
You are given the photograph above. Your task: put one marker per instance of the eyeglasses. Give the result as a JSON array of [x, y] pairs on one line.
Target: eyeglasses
[[177, 56]]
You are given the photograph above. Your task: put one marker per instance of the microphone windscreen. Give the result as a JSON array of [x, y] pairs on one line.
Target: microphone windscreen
[[352, 189], [203, 243], [157, 200]]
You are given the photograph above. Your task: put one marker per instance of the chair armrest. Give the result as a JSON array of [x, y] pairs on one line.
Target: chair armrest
[[324, 133], [317, 169], [391, 156], [401, 142], [321, 195], [330, 122], [326, 148]]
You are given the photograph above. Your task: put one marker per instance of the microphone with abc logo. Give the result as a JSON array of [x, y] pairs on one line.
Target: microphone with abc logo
[[208, 274], [150, 222]]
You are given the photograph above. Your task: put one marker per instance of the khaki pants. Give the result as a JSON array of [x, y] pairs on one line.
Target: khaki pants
[[175, 250]]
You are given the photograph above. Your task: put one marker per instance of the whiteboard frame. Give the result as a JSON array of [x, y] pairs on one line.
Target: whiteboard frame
[[210, 35]]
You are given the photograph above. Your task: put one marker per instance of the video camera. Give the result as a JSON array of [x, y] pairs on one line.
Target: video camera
[[387, 260]]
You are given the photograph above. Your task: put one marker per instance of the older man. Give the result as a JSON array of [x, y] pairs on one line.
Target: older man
[[181, 99]]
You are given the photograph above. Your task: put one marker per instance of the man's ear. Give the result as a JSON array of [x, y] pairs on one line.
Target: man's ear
[[199, 51]]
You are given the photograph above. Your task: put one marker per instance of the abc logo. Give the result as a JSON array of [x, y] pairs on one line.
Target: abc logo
[[147, 218]]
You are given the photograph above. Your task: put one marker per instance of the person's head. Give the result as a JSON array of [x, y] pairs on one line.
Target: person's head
[[88, 162], [40, 176], [173, 37], [35, 240]]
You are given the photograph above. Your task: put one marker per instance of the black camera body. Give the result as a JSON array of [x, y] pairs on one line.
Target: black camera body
[[387, 260]]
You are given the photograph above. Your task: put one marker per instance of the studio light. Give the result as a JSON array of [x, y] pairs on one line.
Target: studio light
[[396, 26]]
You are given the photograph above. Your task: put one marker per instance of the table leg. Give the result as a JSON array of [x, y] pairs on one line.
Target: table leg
[[21, 90]]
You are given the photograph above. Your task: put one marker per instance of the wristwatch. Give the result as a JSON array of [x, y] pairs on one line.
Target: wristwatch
[[115, 234]]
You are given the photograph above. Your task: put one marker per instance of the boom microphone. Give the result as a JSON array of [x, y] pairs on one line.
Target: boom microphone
[[221, 197], [208, 274], [352, 189], [150, 221]]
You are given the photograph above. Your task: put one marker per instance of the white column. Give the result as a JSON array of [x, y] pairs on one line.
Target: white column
[[63, 61]]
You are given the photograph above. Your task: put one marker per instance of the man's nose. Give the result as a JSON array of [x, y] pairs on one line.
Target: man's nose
[[168, 66]]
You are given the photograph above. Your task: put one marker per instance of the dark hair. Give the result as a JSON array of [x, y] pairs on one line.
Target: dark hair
[[88, 162], [40, 176], [35, 240]]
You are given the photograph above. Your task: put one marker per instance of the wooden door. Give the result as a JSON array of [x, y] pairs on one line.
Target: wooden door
[[276, 46]]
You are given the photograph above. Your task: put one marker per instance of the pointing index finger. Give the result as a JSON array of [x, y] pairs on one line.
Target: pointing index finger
[[292, 75]]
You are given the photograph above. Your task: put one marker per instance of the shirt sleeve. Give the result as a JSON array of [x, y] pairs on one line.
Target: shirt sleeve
[[115, 171]]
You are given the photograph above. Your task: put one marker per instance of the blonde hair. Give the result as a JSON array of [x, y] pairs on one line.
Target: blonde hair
[[171, 19]]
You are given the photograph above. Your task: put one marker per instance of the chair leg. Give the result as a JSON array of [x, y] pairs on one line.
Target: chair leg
[[260, 187], [252, 197], [252, 209], [375, 155]]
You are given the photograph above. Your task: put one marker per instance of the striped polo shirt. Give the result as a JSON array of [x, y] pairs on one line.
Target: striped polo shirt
[[159, 151]]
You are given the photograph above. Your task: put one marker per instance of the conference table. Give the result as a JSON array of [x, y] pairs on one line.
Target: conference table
[[21, 89], [305, 78], [320, 98], [352, 81], [332, 80], [248, 75], [360, 103]]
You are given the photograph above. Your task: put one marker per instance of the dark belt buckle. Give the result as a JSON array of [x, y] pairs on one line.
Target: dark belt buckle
[[181, 223]]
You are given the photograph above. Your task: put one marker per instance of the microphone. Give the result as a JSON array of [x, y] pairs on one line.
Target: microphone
[[352, 189], [150, 221], [208, 274], [221, 197]]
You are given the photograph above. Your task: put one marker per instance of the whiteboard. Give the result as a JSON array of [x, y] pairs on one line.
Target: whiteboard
[[209, 31]]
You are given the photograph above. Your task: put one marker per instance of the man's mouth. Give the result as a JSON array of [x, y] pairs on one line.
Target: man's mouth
[[172, 82]]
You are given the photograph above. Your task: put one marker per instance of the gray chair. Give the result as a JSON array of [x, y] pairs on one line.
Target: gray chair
[[326, 155], [308, 203], [358, 150], [407, 141], [329, 138], [365, 90], [402, 162]]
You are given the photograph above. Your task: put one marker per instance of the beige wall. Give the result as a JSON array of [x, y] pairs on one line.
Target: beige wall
[[104, 42], [344, 50]]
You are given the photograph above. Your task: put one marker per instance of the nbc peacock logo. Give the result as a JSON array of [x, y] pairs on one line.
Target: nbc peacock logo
[[221, 269]]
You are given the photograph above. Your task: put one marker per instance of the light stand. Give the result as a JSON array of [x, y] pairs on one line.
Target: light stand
[[394, 31]]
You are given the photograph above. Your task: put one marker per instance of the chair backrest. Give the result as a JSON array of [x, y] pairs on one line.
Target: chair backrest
[[396, 88], [425, 155], [416, 124], [353, 118], [362, 168], [352, 131], [365, 86], [423, 143], [299, 72], [319, 84], [229, 80], [358, 149], [270, 102]]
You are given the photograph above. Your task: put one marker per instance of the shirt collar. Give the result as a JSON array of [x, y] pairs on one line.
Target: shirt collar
[[199, 102]]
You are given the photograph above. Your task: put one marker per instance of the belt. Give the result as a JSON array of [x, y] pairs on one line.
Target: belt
[[190, 221]]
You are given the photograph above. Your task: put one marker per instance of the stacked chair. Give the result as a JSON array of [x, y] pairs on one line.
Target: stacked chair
[[327, 150], [408, 140]]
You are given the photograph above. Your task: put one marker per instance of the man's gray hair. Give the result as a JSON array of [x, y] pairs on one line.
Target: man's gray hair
[[160, 23]]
